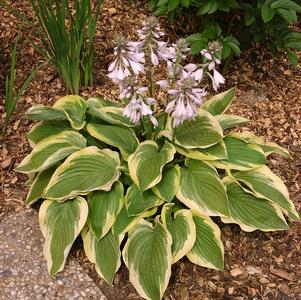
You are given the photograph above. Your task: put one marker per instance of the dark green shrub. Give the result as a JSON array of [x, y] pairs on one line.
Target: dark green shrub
[[237, 24]]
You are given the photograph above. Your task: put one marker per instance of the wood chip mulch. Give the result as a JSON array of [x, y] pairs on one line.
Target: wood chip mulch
[[257, 265]]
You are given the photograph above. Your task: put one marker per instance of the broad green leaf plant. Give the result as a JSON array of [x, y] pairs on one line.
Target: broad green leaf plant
[[141, 180]]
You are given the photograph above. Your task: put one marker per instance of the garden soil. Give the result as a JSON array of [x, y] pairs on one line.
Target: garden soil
[[257, 265]]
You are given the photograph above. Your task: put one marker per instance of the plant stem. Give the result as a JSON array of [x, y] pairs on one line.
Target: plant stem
[[150, 75]]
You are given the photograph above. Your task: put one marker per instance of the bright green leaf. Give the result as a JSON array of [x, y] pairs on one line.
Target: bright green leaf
[[104, 208], [60, 224], [137, 202], [84, 171], [250, 212], [121, 137], [104, 253], [202, 190], [75, 109], [204, 131], [147, 162], [51, 150], [182, 228], [208, 250], [147, 255], [265, 184]]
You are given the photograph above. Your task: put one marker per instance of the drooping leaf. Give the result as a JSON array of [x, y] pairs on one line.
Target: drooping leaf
[[202, 190], [84, 171], [219, 103], [168, 187], [241, 155], [104, 208], [60, 224], [100, 101], [182, 228], [43, 113], [121, 137], [104, 253], [265, 184], [75, 109], [147, 255], [202, 132], [138, 202], [230, 121], [267, 147], [45, 129], [51, 150], [250, 212], [39, 184], [124, 223], [215, 152], [147, 162], [208, 250], [109, 114]]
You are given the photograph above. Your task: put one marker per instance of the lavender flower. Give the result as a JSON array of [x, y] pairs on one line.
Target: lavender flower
[[217, 79], [150, 36], [211, 55], [129, 61], [139, 104], [186, 97]]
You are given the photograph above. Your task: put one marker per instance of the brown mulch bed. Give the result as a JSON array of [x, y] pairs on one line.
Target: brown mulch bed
[[257, 265]]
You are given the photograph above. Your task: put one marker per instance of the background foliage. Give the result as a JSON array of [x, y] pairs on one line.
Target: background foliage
[[237, 24]]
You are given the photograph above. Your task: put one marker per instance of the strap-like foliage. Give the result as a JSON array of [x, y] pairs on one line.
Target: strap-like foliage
[[69, 38]]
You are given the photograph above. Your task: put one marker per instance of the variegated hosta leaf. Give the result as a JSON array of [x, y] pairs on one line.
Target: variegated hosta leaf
[[264, 183], [39, 184], [202, 132], [219, 103], [100, 101], [104, 253], [215, 152], [110, 114], [241, 155], [208, 250], [147, 255], [168, 187], [250, 212], [123, 138], [51, 150], [267, 147], [60, 224], [147, 162], [104, 208], [124, 223], [230, 121], [201, 189], [138, 202], [75, 109], [45, 129], [164, 123], [84, 171], [182, 228], [44, 113]]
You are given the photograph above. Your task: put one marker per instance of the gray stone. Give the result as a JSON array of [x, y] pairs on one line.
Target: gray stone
[[23, 269]]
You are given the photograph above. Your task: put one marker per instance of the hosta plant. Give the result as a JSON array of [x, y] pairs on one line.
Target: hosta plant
[[140, 180]]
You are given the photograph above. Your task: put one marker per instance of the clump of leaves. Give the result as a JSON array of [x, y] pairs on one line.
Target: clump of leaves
[[151, 178], [236, 24], [68, 39]]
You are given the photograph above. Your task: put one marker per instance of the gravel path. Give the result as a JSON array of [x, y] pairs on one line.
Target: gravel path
[[23, 270]]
